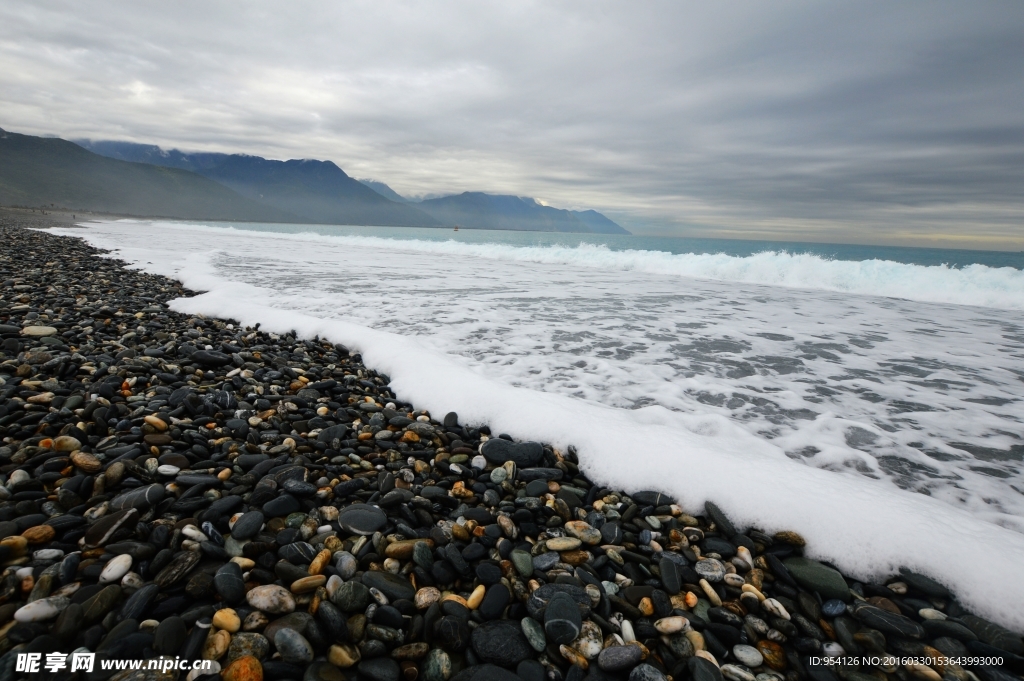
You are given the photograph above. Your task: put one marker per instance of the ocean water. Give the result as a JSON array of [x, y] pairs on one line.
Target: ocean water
[[870, 398]]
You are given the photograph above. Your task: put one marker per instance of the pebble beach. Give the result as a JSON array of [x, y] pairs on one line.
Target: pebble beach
[[181, 486]]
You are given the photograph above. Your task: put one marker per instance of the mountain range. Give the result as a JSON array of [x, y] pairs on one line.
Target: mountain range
[[38, 171], [317, 191], [144, 180]]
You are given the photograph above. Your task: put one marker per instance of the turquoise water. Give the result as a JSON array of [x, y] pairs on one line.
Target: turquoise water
[[675, 245]]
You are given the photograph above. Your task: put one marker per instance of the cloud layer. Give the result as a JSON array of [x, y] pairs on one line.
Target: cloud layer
[[792, 120]]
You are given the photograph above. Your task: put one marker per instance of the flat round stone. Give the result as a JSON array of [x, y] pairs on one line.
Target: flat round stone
[[248, 526], [362, 519], [748, 655]]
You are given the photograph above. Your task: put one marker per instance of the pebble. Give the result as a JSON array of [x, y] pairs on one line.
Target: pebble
[[227, 619], [248, 644], [563, 544], [619, 658], [710, 569], [271, 599], [244, 668], [362, 519], [522, 454], [645, 672], [42, 609], [293, 647], [379, 669], [562, 621], [343, 655], [500, 642], [747, 655]]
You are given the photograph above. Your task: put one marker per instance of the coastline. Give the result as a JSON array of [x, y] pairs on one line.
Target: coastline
[[398, 488]]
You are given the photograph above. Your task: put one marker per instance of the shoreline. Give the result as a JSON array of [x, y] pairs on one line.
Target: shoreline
[[313, 473]]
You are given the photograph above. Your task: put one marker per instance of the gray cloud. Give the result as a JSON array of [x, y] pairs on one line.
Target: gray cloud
[[858, 122]]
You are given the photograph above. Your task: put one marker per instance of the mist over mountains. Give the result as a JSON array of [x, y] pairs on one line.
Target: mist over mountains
[[323, 192]]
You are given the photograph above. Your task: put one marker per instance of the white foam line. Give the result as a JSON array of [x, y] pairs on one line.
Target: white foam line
[[980, 285]]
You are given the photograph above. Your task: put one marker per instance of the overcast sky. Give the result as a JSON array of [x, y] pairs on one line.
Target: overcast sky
[[851, 122]]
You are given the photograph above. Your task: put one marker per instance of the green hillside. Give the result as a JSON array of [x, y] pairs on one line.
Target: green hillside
[[38, 171]]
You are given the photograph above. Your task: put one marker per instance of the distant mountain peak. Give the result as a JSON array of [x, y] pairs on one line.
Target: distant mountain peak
[[479, 210], [384, 190]]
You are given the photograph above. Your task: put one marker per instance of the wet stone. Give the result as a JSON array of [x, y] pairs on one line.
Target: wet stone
[[362, 519], [379, 669], [888, 622], [392, 586], [248, 643], [710, 569], [229, 583], [747, 655], [248, 526], [562, 621], [721, 521], [702, 670], [293, 647], [169, 636], [141, 498], [814, 576], [182, 563], [833, 608], [619, 658], [500, 642], [611, 533], [351, 597], [452, 633], [670, 577], [271, 599], [281, 506], [645, 672], [523, 454], [995, 635]]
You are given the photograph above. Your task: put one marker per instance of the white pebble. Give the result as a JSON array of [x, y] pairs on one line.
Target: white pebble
[[672, 625], [833, 649], [193, 532], [748, 655], [928, 614], [775, 608], [132, 581], [733, 580], [42, 609], [116, 568]]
